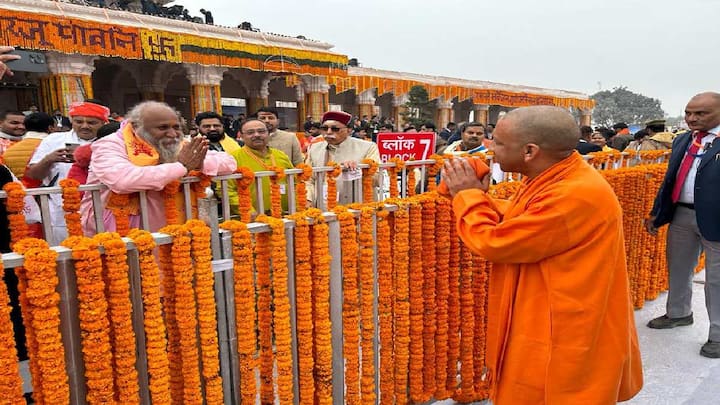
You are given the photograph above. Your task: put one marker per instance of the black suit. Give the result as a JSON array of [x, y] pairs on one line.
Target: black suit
[[585, 147]]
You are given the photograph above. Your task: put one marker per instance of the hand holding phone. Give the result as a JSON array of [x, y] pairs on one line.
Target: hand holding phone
[[6, 57]]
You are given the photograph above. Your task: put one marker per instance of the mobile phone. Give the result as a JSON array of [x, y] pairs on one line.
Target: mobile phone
[[29, 62], [71, 146]]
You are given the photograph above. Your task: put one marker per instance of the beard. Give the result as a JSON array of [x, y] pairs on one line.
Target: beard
[[214, 136], [166, 147]]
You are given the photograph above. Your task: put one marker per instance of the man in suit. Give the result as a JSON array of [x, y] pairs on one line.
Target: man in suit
[[584, 146], [688, 200]]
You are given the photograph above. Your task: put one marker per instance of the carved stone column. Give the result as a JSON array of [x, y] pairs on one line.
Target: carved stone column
[[204, 88], [366, 103], [69, 81], [481, 113], [399, 109], [444, 113], [316, 96], [586, 116]]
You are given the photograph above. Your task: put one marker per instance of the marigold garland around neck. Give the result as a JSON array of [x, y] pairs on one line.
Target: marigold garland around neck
[[304, 311], [155, 333], [245, 313], [245, 207], [93, 315], [11, 389], [120, 312]]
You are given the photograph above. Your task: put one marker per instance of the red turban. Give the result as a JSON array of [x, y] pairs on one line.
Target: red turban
[[339, 116], [89, 110]]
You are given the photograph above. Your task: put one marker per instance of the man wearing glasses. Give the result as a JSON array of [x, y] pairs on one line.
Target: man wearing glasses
[[341, 148], [279, 139]]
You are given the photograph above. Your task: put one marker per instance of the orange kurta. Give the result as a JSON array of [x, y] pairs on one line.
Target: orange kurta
[[560, 322]]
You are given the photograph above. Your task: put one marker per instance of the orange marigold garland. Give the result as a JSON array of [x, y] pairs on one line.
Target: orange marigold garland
[[120, 311], [11, 389], [401, 261], [71, 206], [275, 196], [351, 304], [332, 185], [206, 314], [199, 187], [386, 296], [321, 310], [173, 333], [393, 173], [281, 305], [245, 313], [367, 320], [304, 308], [300, 187], [155, 334], [15, 205], [429, 275], [245, 207], [94, 323], [453, 309], [119, 202], [417, 308], [43, 300], [411, 181], [467, 327], [265, 316], [172, 214], [442, 292], [480, 292], [368, 176], [432, 171]]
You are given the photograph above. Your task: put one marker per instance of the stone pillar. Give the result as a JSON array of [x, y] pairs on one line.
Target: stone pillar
[[301, 108], [586, 116], [481, 113], [316, 96], [366, 103], [258, 95], [69, 81], [398, 110], [443, 114], [204, 88]]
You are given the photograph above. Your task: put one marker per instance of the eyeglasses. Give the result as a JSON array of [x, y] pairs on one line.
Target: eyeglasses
[[255, 131], [334, 129]]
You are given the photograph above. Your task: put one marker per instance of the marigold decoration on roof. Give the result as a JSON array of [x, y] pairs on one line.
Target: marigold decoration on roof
[[155, 334], [15, 206], [120, 312], [332, 185], [118, 204], [71, 206], [304, 309], [93, 315], [417, 308], [43, 300], [386, 297], [275, 196], [368, 179], [245, 207], [245, 314], [11, 385]]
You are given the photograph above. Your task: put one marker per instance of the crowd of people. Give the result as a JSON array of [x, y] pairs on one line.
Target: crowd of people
[[601, 139]]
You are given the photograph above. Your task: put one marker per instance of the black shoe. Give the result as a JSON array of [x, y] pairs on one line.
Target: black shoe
[[711, 349], [665, 322]]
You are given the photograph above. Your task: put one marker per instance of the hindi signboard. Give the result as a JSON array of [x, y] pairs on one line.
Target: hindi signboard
[[405, 145]]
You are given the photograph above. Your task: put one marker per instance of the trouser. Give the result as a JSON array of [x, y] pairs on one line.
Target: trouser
[[684, 245]]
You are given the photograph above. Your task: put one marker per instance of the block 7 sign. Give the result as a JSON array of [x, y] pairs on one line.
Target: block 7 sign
[[405, 145]]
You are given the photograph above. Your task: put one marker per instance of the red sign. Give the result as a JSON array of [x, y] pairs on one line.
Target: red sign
[[405, 145]]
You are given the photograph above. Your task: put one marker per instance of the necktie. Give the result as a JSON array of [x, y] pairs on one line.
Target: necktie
[[687, 164]]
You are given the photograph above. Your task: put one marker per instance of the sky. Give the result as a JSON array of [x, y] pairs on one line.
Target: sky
[[664, 49]]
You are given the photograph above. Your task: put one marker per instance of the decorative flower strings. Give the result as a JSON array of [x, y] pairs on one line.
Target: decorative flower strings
[[443, 225], [15, 205], [351, 304], [245, 207], [173, 333], [304, 309], [332, 184], [206, 314], [120, 312], [11, 389], [393, 173], [172, 214], [300, 185], [94, 323], [401, 260], [245, 313], [417, 308], [386, 297], [481, 270], [467, 327], [410, 182], [453, 309], [367, 292], [432, 171], [71, 205], [429, 274], [199, 187], [119, 202], [43, 300], [275, 196], [368, 176], [155, 334], [265, 316]]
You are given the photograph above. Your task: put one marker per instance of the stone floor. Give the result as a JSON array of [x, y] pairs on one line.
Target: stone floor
[[675, 373]]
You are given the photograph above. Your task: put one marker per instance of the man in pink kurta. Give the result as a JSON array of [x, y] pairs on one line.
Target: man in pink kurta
[[153, 125]]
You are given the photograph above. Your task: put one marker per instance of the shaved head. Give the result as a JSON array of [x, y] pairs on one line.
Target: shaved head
[[553, 129]]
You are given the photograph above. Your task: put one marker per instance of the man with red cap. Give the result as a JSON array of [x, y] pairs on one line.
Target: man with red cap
[[54, 156], [341, 148]]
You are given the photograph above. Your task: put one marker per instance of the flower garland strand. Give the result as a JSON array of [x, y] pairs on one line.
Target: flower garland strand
[[480, 292], [301, 187], [93, 315], [71, 206], [417, 308], [245, 313], [467, 327], [304, 309], [206, 314], [442, 292], [173, 333], [155, 333], [432, 172], [386, 297], [351, 304], [200, 187], [11, 385], [392, 174], [368, 177], [332, 191], [15, 206], [43, 301], [411, 182], [367, 293], [401, 260], [245, 207], [186, 312], [281, 305], [172, 214], [275, 196], [429, 275], [120, 312], [321, 301], [453, 309], [119, 202], [265, 316]]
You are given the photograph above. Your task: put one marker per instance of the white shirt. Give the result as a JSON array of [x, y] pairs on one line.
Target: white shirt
[[687, 194], [48, 145]]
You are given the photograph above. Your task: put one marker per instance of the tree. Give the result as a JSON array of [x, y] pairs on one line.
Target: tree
[[622, 105], [419, 108]]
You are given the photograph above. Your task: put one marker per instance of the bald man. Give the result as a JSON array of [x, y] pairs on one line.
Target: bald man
[[560, 321]]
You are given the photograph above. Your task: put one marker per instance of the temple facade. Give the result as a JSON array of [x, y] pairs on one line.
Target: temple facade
[[123, 58]]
